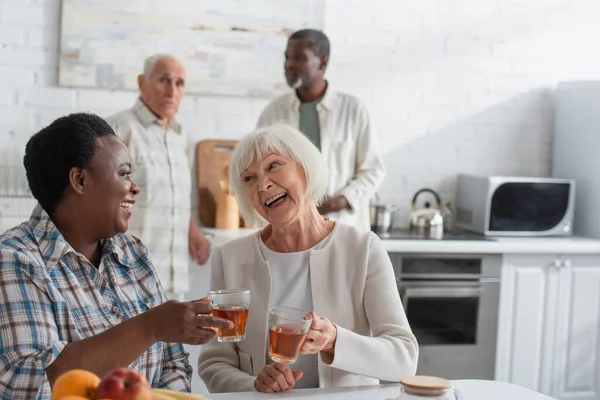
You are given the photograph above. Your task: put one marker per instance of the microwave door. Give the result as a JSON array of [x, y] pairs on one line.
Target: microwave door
[[529, 207]]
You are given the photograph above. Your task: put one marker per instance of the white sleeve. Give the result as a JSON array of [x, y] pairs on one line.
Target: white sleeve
[[369, 170], [392, 351]]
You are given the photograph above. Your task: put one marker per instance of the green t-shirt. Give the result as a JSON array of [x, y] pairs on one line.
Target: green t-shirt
[[309, 121]]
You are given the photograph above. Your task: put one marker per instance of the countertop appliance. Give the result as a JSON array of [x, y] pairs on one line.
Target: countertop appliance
[[427, 220], [451, 302], [515, 206], [382, 215]]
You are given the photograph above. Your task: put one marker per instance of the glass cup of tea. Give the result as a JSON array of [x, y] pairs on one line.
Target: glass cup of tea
[[288, 327], [231, 304]]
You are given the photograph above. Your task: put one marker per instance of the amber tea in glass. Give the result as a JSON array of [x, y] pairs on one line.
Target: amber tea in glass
[[231, 304], [288, 327]]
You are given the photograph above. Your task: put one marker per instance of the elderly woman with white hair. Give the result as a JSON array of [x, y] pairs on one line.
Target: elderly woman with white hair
[[359, 334]]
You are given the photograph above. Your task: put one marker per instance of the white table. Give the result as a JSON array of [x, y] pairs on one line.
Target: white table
[[470, 389]]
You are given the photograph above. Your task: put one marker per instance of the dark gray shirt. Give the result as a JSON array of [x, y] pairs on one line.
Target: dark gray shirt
[[309, 121]]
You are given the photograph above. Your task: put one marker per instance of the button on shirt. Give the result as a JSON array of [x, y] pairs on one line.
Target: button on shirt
[[51, 296], [161, 167]]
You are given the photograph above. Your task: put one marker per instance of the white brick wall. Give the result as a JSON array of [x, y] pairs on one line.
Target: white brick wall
[[453, 86]]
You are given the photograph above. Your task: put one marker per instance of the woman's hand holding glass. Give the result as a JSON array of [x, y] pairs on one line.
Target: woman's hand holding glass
[[184, 322], [232, 305], [320, 337]]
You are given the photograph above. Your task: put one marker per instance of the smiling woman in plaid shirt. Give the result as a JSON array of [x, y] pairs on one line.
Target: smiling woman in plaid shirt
[[75, 290]]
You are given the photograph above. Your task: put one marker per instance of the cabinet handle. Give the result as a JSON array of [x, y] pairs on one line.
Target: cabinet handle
[[557, 264], [567, 263]]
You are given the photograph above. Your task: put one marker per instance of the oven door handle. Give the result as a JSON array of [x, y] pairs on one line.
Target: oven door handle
[[407, 292]]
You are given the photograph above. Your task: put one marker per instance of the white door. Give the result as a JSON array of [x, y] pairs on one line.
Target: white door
[[528, 302], [576, 373]]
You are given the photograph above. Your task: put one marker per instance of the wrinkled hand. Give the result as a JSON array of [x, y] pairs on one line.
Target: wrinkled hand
[[276, 378], [179, 322], [320, 337], [333, 204], [199, 244]]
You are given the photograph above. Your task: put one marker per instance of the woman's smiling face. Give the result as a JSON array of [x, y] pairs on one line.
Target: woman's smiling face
[[276, 186], [111, 191]]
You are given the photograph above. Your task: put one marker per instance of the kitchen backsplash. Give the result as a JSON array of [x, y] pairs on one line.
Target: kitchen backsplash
[[452, 86]]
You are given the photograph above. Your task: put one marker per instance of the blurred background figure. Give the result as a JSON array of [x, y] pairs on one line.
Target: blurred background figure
[[337, 123], [162, 165]]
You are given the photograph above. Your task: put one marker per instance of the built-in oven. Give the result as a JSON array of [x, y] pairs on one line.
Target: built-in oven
[[451, 302]]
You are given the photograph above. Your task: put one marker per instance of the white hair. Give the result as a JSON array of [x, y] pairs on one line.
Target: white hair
[[288, 142], [151, 61]]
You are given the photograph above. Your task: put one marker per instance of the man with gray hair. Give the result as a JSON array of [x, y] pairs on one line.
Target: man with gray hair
[[337, 123], [162, 158]]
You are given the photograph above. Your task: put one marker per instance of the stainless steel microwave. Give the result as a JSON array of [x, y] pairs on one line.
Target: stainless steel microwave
[[515, 206]]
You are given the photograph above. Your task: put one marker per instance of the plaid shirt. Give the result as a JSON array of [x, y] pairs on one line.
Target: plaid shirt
[[50, 296]]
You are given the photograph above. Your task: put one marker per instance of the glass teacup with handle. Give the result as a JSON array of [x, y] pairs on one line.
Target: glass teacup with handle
[[288, 327], [231, 304]]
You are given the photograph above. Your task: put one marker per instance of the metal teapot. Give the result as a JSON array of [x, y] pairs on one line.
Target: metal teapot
[[427, 221], [448, 216], [445, 209], [427, 387]]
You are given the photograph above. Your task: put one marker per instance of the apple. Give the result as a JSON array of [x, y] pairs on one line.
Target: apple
[[124, 384]]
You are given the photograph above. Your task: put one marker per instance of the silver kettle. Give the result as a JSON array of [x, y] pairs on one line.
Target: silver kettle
[[428, 221], [382, 216]]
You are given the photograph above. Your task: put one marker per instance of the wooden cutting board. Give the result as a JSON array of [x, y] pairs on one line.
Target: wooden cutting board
[[213, 159]]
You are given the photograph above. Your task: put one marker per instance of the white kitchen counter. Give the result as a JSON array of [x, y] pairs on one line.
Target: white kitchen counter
[[470, 390], [538, 245]]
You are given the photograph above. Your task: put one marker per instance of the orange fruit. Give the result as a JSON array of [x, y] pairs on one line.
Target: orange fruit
[[74, 398], [76, 383]]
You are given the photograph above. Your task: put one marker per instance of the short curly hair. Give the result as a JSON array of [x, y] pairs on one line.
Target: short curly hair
[[68, 142]]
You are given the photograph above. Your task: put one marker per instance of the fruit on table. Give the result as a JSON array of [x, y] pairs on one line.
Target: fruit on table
[[173, 395], [76, 382], [161, 396], [74, 398], [78, 398], [119, 384], [124, 384]]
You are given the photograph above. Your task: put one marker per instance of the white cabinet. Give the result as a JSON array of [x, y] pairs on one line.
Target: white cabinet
[[549, 325], [576, 372]]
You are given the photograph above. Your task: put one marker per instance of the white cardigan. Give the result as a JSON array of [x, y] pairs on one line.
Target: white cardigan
[[353, 285], [349, 144]]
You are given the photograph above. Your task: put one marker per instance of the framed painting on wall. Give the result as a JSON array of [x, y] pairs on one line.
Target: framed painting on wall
[[229, 47]]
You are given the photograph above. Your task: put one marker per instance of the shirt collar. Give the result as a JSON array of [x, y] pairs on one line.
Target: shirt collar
[[147, 117], [110, 247], [53, 246], [327, 100]]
